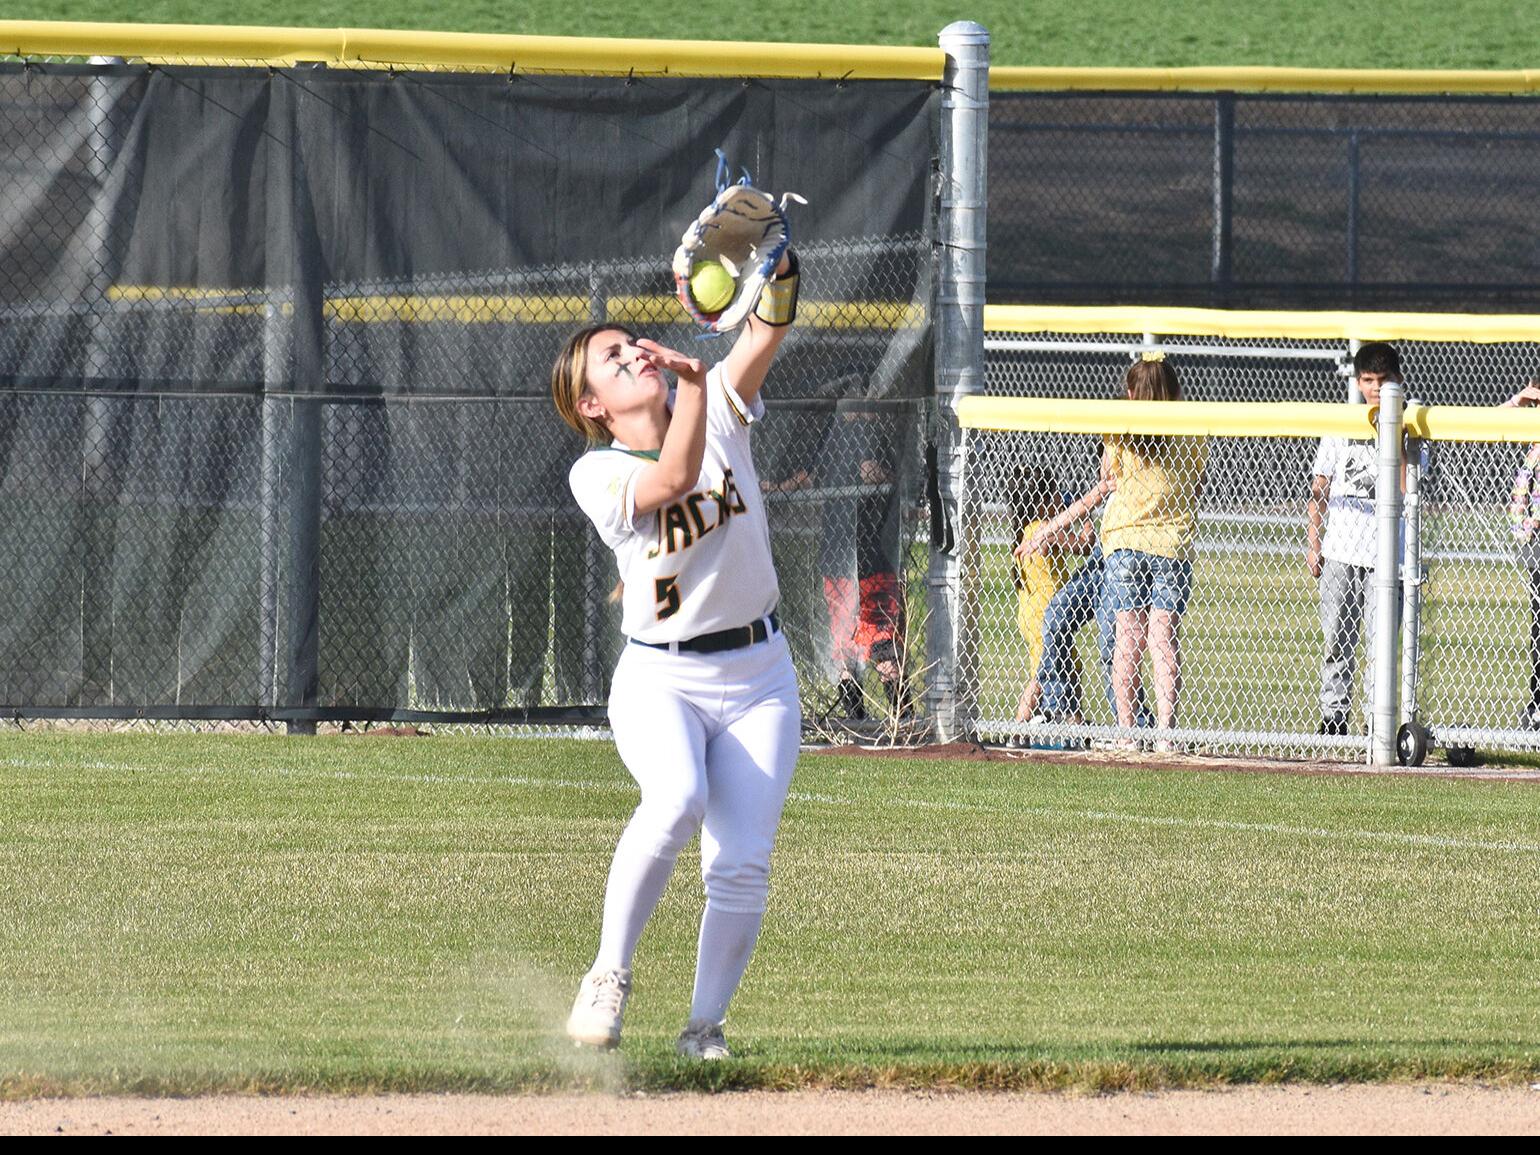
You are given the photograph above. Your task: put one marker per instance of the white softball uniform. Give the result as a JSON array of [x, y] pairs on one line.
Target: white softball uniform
[[711, 738], [699, 564]]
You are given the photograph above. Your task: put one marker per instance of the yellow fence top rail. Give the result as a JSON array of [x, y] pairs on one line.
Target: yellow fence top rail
[[1172, 418], [1242, 419], [1471, 423], [366, 47], [1260, 79], [355, 47], [1482, 329]]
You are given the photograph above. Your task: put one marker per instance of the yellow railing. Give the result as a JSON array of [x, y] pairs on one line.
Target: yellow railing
[[1473, 327], [1261, 79], [1189, 418], [1242, 419], [375, 48], [379, 48]]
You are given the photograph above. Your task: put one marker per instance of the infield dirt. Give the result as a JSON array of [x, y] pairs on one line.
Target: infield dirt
[[1429, 1109]]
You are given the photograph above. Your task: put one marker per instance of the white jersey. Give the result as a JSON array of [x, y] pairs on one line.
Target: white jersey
[[1353, 467], [699, 564]]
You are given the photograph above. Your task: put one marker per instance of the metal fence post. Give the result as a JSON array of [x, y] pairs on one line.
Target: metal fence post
[[1352, 211], [308, 333], [104, 142], [1384, 721], [275, 377], [959, 324], [1411, 581], [1224, 194], [102, 254]]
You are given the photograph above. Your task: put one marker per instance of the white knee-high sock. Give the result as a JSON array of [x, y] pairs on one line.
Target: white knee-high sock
[[637, 881], [726, 941]]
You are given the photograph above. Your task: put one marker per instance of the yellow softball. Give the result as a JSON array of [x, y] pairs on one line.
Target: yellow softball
[[712, 287]]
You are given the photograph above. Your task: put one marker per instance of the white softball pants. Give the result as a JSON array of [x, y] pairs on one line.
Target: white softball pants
[[712, 740]]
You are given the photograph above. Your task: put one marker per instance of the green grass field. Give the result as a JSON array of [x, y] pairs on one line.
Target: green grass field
[[187, 914], [1165, 33]]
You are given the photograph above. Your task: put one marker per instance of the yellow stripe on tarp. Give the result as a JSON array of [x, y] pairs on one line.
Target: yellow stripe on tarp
[[370, 47], [1261, 79], [531, 308], [1000, 320], [178, 293], [641, 309], [1243, 419], [464, 309]]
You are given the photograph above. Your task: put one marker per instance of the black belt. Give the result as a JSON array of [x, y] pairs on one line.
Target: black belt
[[722, 640]]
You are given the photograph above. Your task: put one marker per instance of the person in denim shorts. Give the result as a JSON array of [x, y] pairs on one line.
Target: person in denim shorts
[[1147, 537], [1077, 602]]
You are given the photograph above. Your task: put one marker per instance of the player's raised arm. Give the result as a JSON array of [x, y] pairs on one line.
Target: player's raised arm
[[684, 445], [734, 267], [749, 361]]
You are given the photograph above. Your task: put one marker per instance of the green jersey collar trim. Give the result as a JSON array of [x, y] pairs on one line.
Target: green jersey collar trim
[[649, 454]]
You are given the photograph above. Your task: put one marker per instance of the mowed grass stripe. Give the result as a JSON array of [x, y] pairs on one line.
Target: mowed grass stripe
[[189, 914], [796, 796], [314, 772]]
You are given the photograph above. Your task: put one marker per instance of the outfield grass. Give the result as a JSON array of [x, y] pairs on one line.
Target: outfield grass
[[186, 914], [1163, 33]]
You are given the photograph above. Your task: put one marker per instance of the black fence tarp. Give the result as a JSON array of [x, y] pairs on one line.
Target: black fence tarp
[[274, 363], [1268, 201]]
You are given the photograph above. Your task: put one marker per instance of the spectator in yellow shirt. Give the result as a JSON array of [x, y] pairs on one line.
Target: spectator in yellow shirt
[[1147, 537], [1039, 574]]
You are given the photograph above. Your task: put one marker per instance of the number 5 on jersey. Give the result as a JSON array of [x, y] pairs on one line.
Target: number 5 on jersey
[[667, 596]]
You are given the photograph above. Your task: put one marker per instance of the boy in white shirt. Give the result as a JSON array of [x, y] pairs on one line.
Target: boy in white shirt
[[1343, 559]]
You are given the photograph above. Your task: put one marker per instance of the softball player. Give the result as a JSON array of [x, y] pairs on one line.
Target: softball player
[[704, 702]]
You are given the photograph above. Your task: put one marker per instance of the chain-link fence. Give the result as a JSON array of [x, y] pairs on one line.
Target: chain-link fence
[[1479, 642], [1273, 631], [275, 351], [157, 536], [1258, 200], [274, 345], [1187, 607], [471, 496]]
